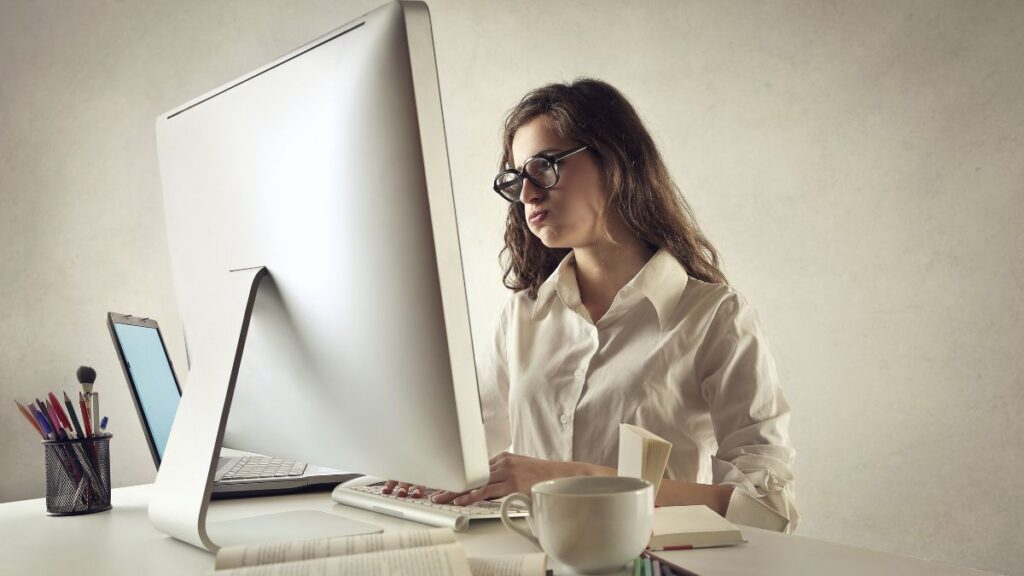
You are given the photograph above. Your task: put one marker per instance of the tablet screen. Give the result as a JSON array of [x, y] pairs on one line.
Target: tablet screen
[[152, 378]]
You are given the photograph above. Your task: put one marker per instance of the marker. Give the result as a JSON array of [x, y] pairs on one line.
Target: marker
[[53, 418], [59, 411], [103, 424]]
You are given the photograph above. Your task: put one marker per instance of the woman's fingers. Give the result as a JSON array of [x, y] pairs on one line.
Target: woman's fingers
[[445, 497], [397, 488], [403, 489], [496, 490]]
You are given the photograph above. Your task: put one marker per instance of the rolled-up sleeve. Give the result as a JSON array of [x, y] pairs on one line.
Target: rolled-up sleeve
[[493, 382], [750, 416]]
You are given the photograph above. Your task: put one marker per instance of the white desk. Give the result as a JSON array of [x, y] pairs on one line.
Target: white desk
[[121, 541]]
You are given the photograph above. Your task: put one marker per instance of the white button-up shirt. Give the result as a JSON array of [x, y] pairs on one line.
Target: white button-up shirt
[[685, 359]]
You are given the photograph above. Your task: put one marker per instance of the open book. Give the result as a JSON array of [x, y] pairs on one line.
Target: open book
[[421, 552], [642, 454]]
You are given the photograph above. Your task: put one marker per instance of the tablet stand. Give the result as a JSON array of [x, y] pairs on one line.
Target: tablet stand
[[181, 493]]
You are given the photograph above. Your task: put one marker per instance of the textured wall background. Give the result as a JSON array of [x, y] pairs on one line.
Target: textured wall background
[[859, 165]]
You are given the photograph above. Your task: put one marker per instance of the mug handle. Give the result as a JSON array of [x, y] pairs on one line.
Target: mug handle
[[525, 500]]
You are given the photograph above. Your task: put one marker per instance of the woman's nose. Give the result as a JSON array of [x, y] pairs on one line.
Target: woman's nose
[[531, 193]]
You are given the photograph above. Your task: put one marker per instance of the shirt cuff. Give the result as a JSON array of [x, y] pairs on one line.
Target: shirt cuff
[[747, 510]]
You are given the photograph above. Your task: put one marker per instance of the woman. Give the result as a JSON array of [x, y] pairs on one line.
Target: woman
[[621, 314]]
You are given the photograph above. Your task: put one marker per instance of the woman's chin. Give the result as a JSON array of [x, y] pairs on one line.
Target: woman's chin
[[550, 239]]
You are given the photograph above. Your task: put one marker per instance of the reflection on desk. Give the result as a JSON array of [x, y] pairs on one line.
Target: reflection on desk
[[121, 541]]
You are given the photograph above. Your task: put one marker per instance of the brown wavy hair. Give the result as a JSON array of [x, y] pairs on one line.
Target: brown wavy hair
[[594, 113]]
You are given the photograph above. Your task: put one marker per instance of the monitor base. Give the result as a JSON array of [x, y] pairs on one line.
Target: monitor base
[[285, 526], [184, 482]]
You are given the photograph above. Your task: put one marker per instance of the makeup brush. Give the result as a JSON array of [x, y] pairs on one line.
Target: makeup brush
[[86, 377]]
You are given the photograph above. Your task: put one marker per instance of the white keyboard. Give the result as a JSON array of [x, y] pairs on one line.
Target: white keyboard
[[367, 493], [490, 508]]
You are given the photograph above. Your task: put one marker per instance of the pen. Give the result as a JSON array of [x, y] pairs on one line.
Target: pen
[[666, 568], [74, 418], [42, 410], [31, 419], [103, 424], [43, 423]]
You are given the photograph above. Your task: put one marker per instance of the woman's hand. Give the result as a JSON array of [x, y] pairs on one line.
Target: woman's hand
[[513, 473], [403, 489]]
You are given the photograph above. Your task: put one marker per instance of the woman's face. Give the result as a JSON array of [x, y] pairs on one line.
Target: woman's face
[[570, 214]]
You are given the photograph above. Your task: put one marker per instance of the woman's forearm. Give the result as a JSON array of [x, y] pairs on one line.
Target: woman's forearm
[[680, 493], [676, 492]]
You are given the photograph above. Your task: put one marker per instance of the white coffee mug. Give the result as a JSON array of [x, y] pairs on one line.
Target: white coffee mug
[[591, 524]]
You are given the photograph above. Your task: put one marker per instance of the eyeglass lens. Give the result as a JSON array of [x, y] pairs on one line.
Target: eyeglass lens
[[539, 170]]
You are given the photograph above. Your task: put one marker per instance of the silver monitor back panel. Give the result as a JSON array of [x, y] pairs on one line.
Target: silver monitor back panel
[[329, 167]]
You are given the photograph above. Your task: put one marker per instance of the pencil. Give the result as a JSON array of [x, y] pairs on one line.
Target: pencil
[[31, 419]]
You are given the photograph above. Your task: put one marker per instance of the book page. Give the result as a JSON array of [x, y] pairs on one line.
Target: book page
[[518, 565], [656, 460], [443, 560], [631, 452], [255, 555], [643, 454]]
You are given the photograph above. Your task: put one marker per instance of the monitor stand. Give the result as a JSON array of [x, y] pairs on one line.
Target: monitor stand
[[181, 493]]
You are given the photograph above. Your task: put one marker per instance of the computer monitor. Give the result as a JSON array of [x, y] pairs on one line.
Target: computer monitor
[[329, 167]]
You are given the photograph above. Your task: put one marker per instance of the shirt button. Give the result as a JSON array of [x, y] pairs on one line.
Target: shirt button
[[563, 418]]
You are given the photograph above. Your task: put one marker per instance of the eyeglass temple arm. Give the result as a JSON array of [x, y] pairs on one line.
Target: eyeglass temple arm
[[565, 155]]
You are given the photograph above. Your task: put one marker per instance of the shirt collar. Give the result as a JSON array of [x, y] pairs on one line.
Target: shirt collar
[[661, 281], [562, 283]]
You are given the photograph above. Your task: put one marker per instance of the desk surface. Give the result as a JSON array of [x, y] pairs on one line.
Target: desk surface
[[121, 541]]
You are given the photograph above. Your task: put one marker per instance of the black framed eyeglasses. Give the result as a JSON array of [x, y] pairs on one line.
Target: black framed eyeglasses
[[542, 171]]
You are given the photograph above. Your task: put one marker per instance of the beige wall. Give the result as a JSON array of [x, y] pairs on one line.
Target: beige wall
[[859, 165]]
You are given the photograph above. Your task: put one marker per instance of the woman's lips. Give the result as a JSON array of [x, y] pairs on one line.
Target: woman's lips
[[539, 216]]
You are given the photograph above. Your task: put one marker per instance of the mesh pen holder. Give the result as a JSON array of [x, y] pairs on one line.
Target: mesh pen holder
[[77, 475]]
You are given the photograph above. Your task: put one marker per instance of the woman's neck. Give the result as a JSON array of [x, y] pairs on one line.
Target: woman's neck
[[603, 269]]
